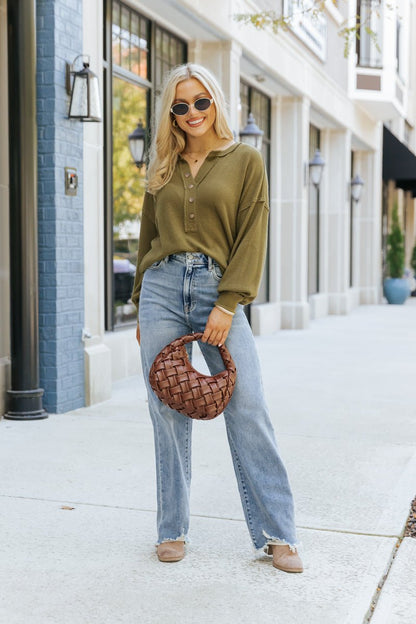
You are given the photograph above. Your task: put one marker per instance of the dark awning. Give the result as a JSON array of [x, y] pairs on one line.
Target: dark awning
[[399, 163]]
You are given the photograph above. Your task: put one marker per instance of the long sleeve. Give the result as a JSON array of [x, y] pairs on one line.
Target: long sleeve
[[241, 278], [148, 232]]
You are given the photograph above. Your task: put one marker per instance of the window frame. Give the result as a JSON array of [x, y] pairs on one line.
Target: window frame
[[111, 70], [266, 150]]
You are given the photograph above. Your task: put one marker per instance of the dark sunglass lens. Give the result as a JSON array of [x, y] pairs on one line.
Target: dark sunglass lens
[[202, 104], [180, 109]]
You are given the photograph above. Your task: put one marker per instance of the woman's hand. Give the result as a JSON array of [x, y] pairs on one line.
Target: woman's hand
[[217, 327], [138, 333]]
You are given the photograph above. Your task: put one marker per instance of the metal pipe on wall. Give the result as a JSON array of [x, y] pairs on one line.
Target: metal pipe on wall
[[25, 396]]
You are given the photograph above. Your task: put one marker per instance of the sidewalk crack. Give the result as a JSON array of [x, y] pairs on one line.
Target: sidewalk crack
[[376, 596]]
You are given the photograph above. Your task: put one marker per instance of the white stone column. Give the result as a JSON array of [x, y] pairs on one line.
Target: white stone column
[[292, 201], [368, 220], [98, 358], [223, 60], [338, 176]]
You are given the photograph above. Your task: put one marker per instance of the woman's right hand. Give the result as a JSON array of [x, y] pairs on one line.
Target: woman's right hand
[[138, 333]]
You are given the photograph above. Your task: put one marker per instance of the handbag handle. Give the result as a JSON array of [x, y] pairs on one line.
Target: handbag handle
[[225, 354]]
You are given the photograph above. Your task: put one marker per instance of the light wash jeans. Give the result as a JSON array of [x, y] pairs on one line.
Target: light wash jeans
[[177, 295]]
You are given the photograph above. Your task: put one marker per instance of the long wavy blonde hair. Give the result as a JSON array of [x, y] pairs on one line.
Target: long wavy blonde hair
[[169, 140]]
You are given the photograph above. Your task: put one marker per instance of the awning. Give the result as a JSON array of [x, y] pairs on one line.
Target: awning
[[399, 163]]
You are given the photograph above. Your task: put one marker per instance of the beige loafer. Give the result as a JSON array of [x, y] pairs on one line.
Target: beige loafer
[[169, 552], [284, 558]]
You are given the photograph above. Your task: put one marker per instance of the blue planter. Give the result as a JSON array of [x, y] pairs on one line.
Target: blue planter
[[396, 289]]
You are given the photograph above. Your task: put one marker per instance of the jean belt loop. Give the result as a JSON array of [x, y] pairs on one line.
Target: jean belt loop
[[210, 263]]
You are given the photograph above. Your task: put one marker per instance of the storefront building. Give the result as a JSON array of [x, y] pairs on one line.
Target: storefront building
[[326, 248]]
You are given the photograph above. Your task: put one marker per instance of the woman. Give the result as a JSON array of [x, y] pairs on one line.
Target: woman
[[201, 253]]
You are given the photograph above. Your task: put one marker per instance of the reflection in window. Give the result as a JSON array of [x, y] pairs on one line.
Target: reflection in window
[[313, 220], [130, 40], [370, 35], [141, 53], [256, 102], [129, 105], [169, 51]]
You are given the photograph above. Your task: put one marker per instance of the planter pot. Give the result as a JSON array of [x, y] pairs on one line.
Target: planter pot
[[396, 289]]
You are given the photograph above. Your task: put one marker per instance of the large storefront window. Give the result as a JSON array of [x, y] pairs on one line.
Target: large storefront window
[[313, 220], [138, 54], [257, 103]]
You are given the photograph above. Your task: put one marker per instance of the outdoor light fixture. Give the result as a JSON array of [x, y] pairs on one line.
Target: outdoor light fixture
[[85, 96], [137, 145], [357, 184], [252, 135], [316, 167]]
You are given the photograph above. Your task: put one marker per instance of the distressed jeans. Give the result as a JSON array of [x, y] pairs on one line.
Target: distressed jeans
[[177, 295]]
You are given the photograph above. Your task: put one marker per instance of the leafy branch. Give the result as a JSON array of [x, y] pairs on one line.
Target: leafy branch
[[349, 33]]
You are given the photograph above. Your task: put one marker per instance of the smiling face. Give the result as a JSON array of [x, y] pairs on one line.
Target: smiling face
[[195, 123]]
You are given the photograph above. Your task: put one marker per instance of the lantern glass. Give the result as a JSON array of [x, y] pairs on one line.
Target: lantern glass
[[357, 184], [85, 98], [316, 167], [137, 149], [251, 134], [137, 144], [95, 108], [79, 99]]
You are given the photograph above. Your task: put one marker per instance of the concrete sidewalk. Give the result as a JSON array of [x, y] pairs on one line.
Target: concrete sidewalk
[[77, 495]]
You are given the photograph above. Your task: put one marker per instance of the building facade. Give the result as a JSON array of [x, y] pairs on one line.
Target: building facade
[[326, 251]]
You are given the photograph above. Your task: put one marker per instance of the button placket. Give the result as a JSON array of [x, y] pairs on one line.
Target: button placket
[[190, 212]]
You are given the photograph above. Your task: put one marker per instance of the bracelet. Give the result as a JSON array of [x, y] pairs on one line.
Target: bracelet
[[224, 310]]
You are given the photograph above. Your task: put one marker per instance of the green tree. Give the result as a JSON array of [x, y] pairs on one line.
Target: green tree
[[395, 247], [413, 260], [129, 105]]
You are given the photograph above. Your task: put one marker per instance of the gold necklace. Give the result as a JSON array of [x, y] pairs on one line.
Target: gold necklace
[[192, 155]]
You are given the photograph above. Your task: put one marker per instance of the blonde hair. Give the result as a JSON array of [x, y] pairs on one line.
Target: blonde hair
[[169, 140]]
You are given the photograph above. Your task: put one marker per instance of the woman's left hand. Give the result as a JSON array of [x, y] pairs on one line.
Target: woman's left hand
[[217, 327]]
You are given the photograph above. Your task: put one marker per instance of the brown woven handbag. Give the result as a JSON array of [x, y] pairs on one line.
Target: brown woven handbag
[[184, 389]]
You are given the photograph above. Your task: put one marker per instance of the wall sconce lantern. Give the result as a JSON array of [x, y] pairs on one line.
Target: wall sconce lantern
[[357, 184], [251, 134], [138, 145], [316, 167], [84, 92]]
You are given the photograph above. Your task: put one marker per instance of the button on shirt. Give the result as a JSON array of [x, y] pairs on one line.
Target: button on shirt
[[222, 213]]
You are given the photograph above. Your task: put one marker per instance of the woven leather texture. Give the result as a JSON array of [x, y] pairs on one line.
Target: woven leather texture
[[186, 390]]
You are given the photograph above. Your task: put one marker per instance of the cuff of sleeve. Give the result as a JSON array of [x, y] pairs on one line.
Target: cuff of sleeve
[[228, 300]]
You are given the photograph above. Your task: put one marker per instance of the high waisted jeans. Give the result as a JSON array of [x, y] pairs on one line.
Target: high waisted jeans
[[178, 293]]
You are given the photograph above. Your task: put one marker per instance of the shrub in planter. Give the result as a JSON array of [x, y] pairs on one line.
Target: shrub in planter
[[396, 288]]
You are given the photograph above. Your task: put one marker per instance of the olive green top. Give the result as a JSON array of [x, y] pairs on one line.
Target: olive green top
[[222, 213]]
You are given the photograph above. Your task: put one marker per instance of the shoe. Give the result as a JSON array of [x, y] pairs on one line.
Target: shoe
[[284, 558], [171, 551]]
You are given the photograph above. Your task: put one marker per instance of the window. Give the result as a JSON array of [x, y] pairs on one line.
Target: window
[[370, 35], [137, 54], [313, 219], [257, 103], [309, 25]]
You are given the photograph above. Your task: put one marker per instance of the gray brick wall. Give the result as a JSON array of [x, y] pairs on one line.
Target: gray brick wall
[[61, 270]]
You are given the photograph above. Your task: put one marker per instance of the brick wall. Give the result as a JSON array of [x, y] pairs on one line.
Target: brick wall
[[61, 271]]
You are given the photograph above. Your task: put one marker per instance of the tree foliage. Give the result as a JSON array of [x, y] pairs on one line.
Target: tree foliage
[[349, 32], [395, 247], [413, 260], [129, 105]]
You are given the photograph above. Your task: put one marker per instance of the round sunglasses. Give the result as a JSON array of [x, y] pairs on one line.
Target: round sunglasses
[[181, 108]]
